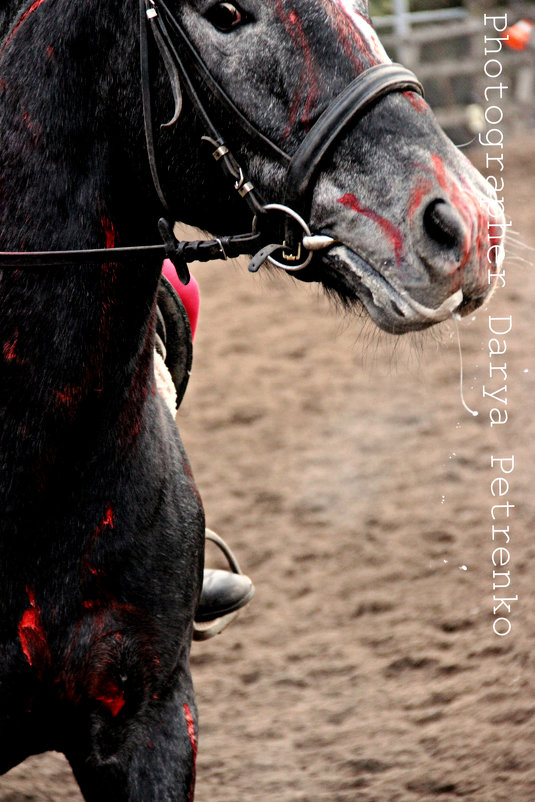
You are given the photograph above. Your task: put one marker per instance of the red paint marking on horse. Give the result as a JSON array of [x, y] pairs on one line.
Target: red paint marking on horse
[[309, 67], [440, 172], [110, 695], [416, 101], [31, 633], [106, 523], [462, 202], [377, 48], [294, 27], [348, 38], [421, 189], [109, 230], [348, 34], [22, 19], [70, 395], [481, 227], [392, 232], [357, 30], [107, 272], [190, 723], [10, 350]]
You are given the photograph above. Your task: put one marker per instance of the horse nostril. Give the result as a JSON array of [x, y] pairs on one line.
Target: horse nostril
[[443, 224]]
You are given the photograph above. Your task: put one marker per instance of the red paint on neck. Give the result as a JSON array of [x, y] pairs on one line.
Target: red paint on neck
[[10, 350], [109, 231], [190, 723], [31, 633], [70, 395], [389, 229], [107, 522]]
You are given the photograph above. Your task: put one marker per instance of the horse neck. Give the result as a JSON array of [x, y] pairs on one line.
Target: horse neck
[[7, 15], [76, 370]]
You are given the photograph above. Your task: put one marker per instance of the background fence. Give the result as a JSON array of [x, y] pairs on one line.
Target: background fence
[[446, 49]]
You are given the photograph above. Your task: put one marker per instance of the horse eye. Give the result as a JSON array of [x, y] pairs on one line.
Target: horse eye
[[225, 16]]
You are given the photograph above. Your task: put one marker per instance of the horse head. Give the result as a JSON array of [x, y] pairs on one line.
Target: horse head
[[411, 228]]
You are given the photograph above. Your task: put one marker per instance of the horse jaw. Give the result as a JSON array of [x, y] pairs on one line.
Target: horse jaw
[[388, 303]]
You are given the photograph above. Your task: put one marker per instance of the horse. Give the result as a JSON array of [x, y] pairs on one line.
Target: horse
[[102, 527]]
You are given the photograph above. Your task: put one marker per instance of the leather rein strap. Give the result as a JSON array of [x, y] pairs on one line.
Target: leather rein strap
[[352, 103]]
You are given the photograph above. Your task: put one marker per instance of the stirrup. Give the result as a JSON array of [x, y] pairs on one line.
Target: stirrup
[[203, 630]]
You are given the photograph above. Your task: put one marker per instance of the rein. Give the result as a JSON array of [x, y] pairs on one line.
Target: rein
[[297, 244]]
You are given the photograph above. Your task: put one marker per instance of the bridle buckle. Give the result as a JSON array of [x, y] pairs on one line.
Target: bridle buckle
[[288, 255]]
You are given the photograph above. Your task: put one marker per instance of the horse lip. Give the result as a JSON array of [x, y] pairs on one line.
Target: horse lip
[[392, 307]]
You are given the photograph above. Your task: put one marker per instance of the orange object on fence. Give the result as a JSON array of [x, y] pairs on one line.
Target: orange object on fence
[[520, 35]]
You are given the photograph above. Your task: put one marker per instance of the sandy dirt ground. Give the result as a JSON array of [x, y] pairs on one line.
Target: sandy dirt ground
[[342, 468]]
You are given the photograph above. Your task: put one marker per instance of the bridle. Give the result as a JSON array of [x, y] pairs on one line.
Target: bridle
[[289, 233]]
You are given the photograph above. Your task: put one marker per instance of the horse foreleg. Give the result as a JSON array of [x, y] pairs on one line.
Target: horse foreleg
[[156, 762]]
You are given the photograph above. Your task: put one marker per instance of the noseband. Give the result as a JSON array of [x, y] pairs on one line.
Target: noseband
[[276, 227]]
